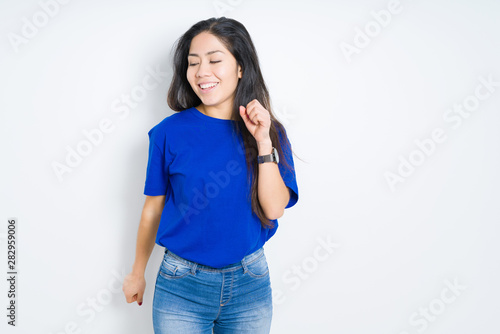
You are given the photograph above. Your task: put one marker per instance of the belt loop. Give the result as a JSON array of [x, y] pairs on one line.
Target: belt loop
[[244, 264], [193, 268]]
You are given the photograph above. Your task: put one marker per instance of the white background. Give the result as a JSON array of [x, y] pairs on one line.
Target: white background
[[349, 119]]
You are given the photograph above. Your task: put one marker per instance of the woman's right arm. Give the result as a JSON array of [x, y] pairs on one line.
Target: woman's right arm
[[134, 283]]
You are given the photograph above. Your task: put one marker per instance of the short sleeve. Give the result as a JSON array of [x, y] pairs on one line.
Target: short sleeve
[[157, 182], [289, 176]]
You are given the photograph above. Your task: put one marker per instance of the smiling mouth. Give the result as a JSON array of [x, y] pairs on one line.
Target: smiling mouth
[[208, 87]]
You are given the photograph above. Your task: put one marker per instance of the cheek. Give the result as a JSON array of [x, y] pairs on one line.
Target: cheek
[[227, 74], [190, 77]]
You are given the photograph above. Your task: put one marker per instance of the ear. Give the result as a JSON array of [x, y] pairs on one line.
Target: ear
[[240, 72]]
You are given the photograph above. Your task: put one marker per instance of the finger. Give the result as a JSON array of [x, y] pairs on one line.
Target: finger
[[256, 102], [253, 115], [244, 115], [130, 299], [246, 119], [256, 117], [250, 106]]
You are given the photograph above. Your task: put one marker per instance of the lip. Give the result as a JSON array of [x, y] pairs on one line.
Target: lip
[[210, 89]]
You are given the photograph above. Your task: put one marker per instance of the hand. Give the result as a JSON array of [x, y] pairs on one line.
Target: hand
[[133, 288], [257, 120]]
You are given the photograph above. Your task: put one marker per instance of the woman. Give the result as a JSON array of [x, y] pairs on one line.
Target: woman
[[220, 173]]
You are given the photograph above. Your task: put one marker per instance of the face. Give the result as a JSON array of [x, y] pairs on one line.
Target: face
[[213, 72]]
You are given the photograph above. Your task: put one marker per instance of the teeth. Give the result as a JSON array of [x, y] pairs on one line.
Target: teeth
[[210, 85]]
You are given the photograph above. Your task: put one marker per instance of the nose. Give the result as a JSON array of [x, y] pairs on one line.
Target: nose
[[203, 69]]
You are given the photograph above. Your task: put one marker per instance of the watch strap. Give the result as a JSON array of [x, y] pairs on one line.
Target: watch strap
[[273, 157]]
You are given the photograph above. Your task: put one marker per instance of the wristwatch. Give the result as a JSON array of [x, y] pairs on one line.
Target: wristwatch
[[273, 157]]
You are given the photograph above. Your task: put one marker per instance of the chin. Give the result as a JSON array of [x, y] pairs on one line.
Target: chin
[[209, 103]]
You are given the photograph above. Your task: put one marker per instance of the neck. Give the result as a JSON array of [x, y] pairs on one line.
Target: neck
[[217, 111]]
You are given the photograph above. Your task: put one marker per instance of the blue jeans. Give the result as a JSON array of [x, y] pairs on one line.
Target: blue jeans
[[192, 298]]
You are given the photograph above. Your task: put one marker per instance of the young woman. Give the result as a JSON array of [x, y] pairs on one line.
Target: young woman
[[220, 173]]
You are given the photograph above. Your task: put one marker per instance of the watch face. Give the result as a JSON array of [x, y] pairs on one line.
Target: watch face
[[273, 157]]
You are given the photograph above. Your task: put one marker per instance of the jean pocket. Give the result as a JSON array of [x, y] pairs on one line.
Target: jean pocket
[[172, 268], [258, 268]]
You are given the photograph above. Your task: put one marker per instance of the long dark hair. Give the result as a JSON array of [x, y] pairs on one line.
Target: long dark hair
[[234, 36]]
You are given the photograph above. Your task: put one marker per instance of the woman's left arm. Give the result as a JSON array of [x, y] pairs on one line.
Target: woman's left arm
[[272, 191]]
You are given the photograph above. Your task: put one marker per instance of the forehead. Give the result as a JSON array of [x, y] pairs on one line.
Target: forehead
[[204, 43]]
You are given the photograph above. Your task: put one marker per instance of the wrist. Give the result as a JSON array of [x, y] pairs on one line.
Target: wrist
[[138, 270], [265, 147]]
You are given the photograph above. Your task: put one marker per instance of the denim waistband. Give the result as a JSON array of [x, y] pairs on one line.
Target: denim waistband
[[231, 267]]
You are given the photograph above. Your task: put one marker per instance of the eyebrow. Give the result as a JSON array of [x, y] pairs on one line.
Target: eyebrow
[[208, 53]]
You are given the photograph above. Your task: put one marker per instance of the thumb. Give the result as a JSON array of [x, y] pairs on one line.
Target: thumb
[[243, 114], [139, 299]]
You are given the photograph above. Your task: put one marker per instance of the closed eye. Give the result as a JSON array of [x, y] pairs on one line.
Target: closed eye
[[212, 62]]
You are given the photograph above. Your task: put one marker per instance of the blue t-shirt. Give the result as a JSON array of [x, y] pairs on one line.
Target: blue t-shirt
[[199, 164]]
